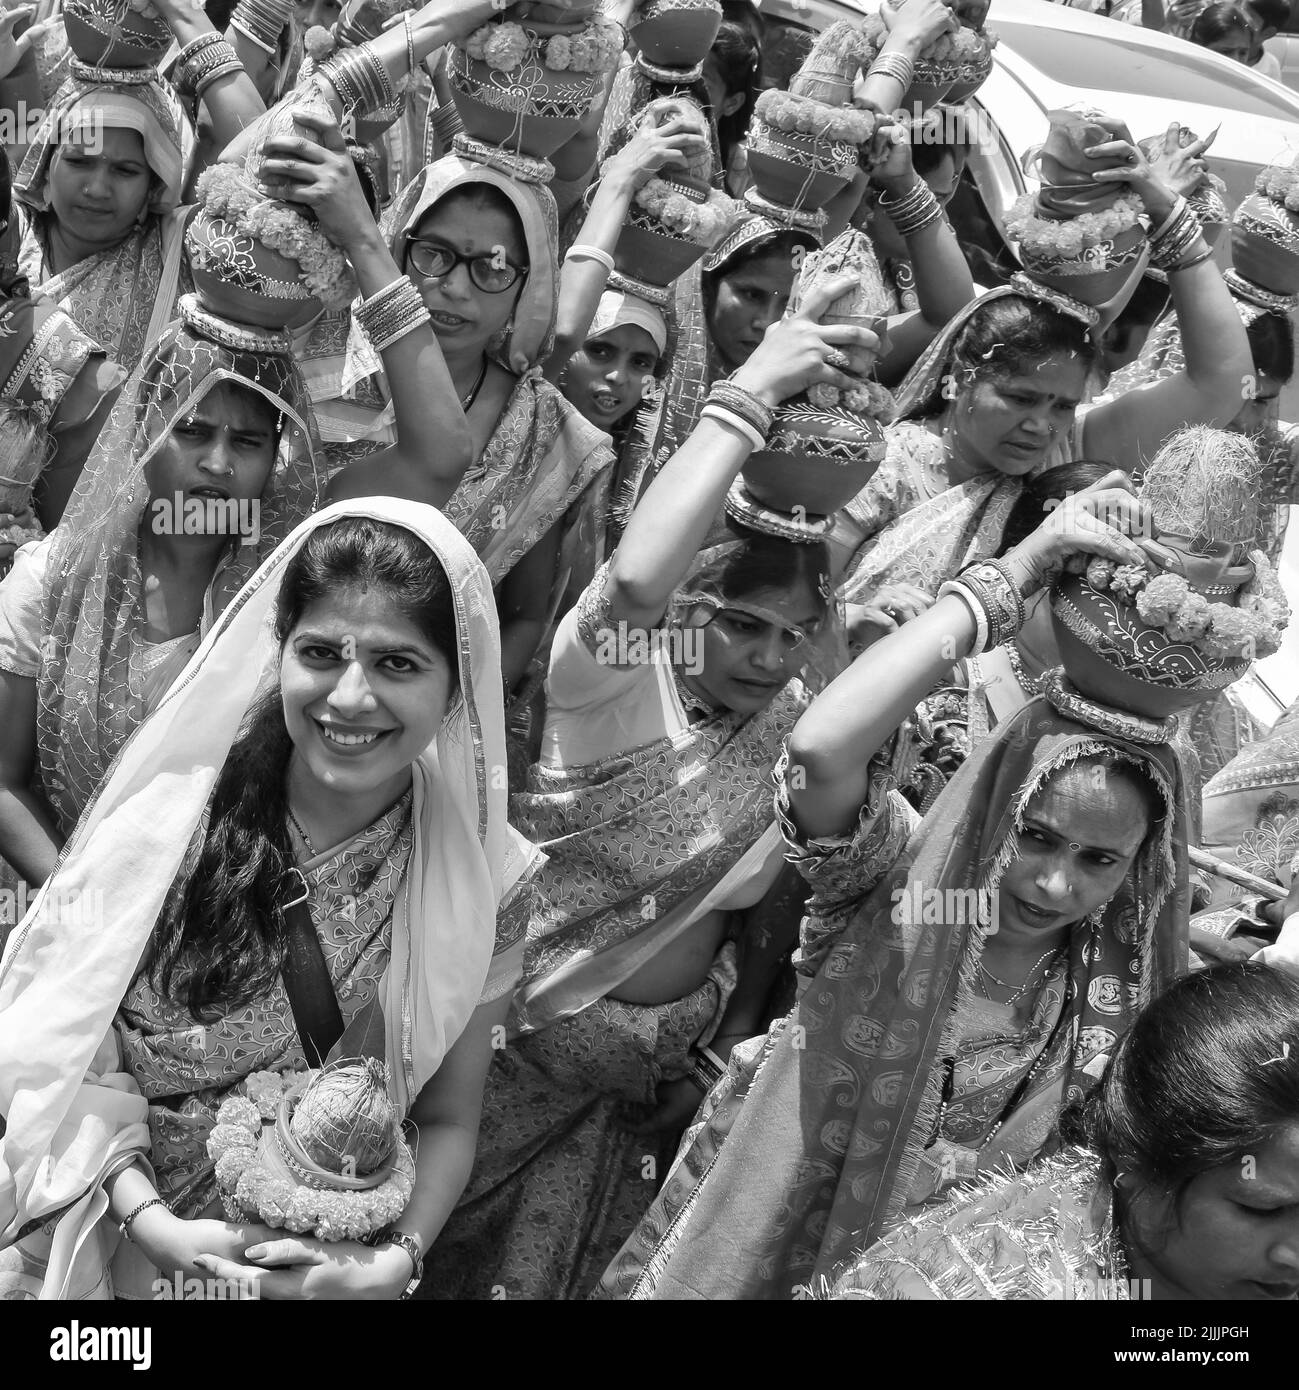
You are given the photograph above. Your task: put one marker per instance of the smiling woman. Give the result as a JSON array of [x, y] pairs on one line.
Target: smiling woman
[[322, 782]]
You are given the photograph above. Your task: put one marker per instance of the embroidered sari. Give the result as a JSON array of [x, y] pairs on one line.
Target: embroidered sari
[[76, 1102], [125, 296], [822, 1133], [1047, 1234], [649, 822]]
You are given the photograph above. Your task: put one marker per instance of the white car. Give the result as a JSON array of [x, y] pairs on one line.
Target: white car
[[1050, 56]]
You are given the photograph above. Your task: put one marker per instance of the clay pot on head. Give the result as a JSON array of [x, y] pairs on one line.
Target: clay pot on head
[[817, 459], [652, 252], [798, 171], [1265, 245], [1113, 657], [108, 34], [676, 33], [240, 278], [532, 110], [1097, 275], [971, 76]]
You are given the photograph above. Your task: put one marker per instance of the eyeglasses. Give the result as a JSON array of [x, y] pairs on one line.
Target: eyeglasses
[[745, 627], [490, 271]]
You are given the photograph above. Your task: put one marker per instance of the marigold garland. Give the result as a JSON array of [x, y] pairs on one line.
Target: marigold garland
[[1072, 237], [797, 115], [507, 46]]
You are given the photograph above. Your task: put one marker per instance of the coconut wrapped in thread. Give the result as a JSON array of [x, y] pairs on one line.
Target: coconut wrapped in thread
[[345, 1119]]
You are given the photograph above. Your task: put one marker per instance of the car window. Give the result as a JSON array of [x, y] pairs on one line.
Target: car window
[[1088, 60]]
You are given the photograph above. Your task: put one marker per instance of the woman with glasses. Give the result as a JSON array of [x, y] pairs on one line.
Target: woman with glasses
[[671, 687], [480, 244]]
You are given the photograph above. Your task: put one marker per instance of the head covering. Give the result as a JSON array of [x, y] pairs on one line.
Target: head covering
[[91, 677], [819, 1151], [618, 309], [63, 975], [529, 341], [89, 101]]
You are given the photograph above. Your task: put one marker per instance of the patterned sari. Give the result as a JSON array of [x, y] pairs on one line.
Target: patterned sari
[[672, 823], [125, 296], [441, 935], [823, 1132], [1048, 1234]]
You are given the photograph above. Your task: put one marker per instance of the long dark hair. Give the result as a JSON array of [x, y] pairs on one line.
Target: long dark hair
[[1002, 338], [1206, 1074], [219, 941], [761, 562], [1271, 345], [1039, 494], [1217, 21], [739, 61]]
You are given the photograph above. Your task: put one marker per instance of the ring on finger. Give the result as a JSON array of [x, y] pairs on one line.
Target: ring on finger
[[838, 360]]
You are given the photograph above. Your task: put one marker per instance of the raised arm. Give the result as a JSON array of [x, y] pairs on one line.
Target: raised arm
[[912, 28], [583, 278], [1212, 387], [232, 103], [672, 519], [433, 446], [852, 719]]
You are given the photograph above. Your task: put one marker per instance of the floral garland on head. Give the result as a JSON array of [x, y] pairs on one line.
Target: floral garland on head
[[250, 1161], [1220, 631], [1071, 238], [281, 227], [507, 46]]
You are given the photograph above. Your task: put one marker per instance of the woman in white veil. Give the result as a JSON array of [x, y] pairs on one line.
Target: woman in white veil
[[109, 1078]]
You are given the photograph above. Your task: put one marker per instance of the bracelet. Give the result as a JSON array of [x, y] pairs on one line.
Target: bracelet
[[1179, 205], [391, 313], [895, 65], [446, 124], [212, 74], [410, 1245], [1175, 237], [194, 47], [580, 252], [731, 396], [360, 80], [999, 596], [915, 210], [261, 21], [736, 422], [125, 1225], [1198, 259], [955, 588]]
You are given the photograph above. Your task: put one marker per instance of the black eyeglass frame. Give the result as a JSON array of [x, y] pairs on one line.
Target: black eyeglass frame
[[491, 258]]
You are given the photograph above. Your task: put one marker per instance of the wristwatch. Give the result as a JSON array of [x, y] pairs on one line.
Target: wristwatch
[[411, 1246]]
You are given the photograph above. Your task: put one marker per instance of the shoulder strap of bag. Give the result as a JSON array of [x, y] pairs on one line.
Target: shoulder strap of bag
[[311, 991]]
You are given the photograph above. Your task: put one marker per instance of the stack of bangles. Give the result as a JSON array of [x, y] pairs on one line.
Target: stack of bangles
[[740, 409], [262, 22], [1178, 242], [391, 313], [445, 124], [580, 252], [895, 65], [360, 79], [914, 210], [993, 598], [708, 1068], [202, 61]]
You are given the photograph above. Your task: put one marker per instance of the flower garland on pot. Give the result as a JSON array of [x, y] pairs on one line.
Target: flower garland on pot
[[224, 192], [506, 46], [314, 1152], [1047, 236]]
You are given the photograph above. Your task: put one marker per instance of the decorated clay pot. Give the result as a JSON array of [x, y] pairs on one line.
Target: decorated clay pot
[[928, 89], [1094, 276], [651, 251], [676, 33], [970, 76], [1115, 658], [240, 278], [817, 459], [1265, 245], [530, 110], [798, 171], [109, 34]]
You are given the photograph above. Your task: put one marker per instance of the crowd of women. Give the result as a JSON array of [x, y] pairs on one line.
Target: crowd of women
[[741, 908]]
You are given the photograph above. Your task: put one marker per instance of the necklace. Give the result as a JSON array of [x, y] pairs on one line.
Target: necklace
[[1017, 994], [306, 839], [467, 402], [1032, 684]]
